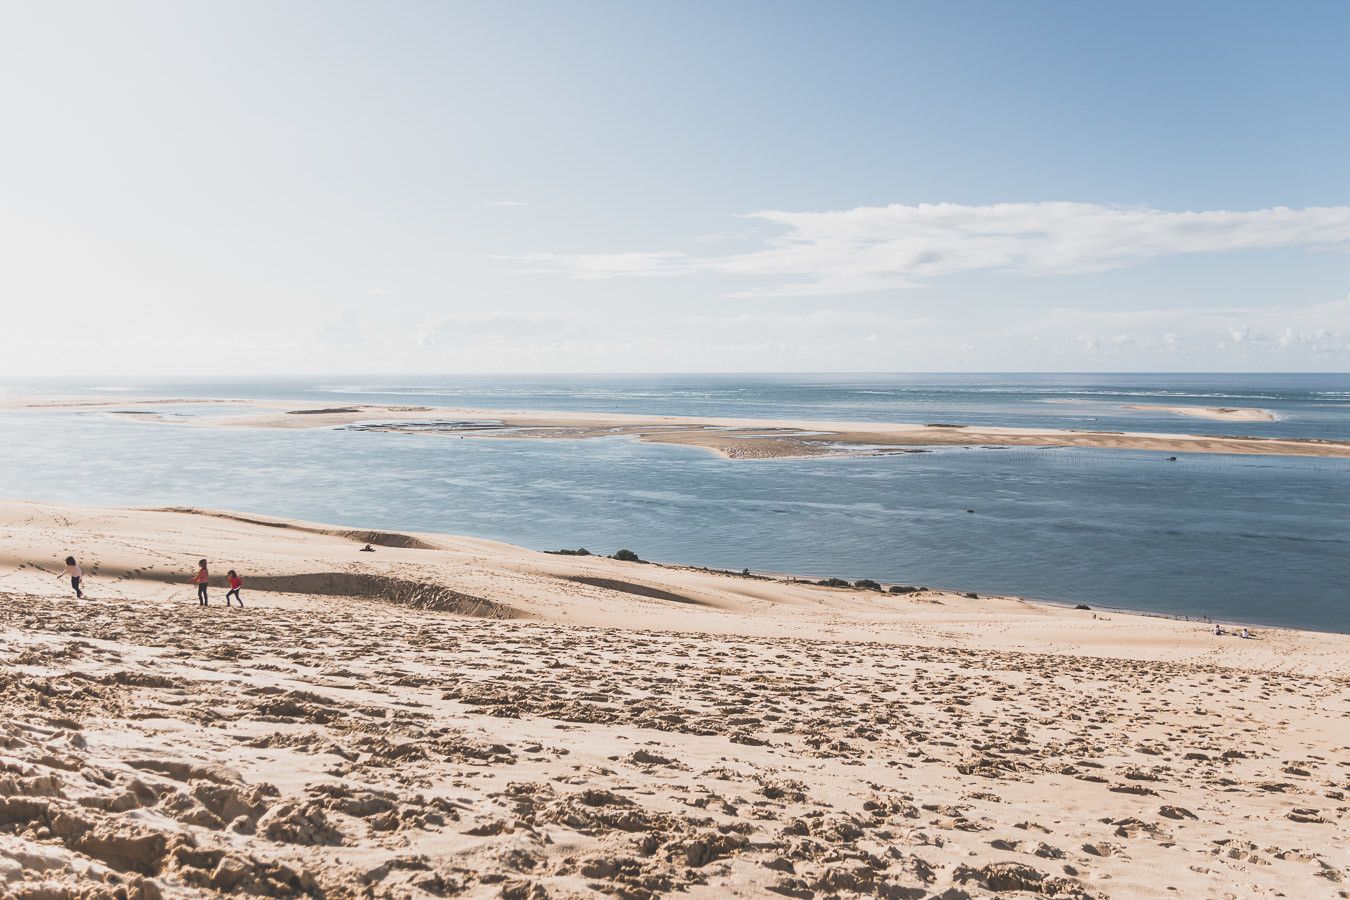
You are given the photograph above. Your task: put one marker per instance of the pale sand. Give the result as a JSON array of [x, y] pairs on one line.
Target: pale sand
[[735, 438], [1218, 413], [649, 729]]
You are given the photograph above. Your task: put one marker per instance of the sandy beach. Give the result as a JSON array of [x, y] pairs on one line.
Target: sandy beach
[[733, 438], [1216, 413], [456, 717]]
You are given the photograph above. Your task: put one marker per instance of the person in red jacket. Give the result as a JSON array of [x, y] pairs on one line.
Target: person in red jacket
[[235, 585]]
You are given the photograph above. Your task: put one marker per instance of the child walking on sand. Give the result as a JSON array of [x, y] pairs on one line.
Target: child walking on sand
[[75, 574], [235, 585], [201, 579]]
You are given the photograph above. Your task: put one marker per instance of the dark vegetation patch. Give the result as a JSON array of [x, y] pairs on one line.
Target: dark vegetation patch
[[320, 412]]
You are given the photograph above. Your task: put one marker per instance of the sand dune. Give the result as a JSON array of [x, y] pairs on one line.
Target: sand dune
[[1218, 413], [601, 735]]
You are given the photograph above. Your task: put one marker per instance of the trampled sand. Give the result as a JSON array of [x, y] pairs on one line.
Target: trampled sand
[[456, 717]]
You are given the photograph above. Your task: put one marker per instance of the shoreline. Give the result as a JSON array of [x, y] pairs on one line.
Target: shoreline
[[729, 438], [418, 542], [1058, 605]]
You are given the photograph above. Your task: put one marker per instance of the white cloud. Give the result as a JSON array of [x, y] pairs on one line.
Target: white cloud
[[608, 265], [1222, 336], [898, 246]]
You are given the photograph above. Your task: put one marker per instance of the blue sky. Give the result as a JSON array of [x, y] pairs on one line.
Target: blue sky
[[459, 187]]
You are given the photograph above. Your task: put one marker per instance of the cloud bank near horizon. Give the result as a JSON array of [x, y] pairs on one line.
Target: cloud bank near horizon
[[877, 248]]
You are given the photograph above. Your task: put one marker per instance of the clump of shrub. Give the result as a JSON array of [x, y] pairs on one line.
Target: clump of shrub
[[833, 582], [867, 584], [905, 589], [580, 551], [626, 556]]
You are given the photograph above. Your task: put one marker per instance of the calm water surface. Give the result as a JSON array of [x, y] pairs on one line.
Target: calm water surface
[[1264, 540]]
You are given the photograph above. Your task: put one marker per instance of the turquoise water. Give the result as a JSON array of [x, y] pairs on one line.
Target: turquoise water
[[1262, 540]]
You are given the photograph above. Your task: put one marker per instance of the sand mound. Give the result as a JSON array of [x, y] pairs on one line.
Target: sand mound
[[639, 590], [379, 538], [415, 594]]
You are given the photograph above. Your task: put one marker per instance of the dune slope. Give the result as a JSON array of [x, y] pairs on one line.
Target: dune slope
[[578, 737]]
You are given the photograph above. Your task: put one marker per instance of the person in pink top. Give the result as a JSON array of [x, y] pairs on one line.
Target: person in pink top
[[201, 579], [75, 574]]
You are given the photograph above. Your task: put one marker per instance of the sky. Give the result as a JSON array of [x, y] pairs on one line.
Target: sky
[[256, 188]]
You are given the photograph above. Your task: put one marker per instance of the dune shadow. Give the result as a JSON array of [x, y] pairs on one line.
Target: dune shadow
[[379, 538], [383, 588], [639, 590]]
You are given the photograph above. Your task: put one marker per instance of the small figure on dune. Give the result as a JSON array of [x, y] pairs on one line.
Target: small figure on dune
[[201, 579], [1218, 629], [235, 585], [75, 574], [1246, 633], [367, 549]]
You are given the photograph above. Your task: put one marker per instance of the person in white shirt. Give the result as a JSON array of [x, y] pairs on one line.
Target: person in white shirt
[[75, 574]]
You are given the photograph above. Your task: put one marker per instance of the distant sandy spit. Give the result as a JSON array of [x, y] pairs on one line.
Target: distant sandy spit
[[1217, 413], [733, 438], [447, 716]]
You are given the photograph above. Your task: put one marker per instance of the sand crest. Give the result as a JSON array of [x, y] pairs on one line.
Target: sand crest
[[618, 729], [1217, 413]]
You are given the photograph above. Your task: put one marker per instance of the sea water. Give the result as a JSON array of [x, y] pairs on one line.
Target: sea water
[[1254, 539]]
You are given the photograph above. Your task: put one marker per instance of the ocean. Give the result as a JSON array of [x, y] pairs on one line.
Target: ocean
[[1252, 539]]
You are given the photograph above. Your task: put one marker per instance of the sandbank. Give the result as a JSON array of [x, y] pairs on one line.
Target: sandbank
[[733, 438], [1217, 413]]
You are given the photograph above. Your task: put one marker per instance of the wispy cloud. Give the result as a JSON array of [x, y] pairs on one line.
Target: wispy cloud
[[451, 328], [1290, 331], [607, 265], [499, 204], [874, 248]]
